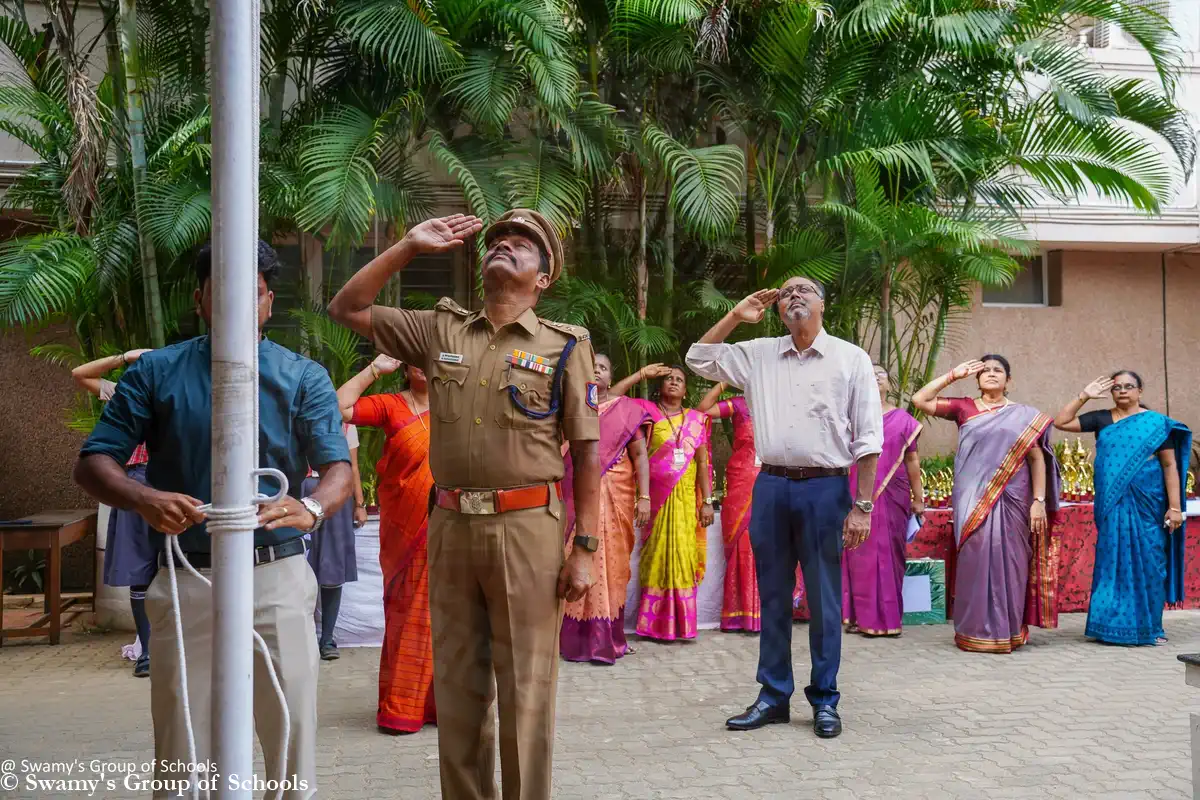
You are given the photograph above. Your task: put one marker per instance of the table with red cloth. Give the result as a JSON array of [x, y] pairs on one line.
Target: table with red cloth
[[1075, 529]]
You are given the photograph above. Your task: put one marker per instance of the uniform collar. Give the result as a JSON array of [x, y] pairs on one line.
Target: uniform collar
[[820, 344], [527, 320]]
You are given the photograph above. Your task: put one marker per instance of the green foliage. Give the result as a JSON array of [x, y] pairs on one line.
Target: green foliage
[[28, 574], [689, 151]]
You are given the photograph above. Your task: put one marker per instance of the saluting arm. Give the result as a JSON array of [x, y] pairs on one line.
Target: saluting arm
[[1068, 417], [351, 306], [710, 405]]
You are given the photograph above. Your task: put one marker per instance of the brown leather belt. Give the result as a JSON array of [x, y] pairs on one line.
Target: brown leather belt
[[496, 501], [805, 473]]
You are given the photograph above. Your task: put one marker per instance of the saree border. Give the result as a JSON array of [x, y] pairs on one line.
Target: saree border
[[887, 479], [973, 644], [1008, 467]]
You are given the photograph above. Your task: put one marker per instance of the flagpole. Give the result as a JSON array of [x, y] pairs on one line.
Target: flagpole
[[235, 74]]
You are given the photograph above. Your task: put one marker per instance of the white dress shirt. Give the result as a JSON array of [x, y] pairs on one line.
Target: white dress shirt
[[819, 408]]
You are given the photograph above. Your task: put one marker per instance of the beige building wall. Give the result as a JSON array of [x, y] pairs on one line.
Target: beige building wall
[[1111, 317]]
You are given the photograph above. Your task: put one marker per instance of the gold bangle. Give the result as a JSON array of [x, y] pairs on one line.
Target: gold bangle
[[374, 372]]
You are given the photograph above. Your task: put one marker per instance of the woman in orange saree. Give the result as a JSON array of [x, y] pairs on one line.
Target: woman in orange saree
[[404, 482], [594, 626]]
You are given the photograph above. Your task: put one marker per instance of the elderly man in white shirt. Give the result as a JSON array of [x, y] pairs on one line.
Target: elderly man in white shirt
[[816, 412]]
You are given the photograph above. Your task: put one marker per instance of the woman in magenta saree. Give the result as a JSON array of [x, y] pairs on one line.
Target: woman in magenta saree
[[740, 604], [1005, 486], [873, 573], [594, 626], [673, 554]]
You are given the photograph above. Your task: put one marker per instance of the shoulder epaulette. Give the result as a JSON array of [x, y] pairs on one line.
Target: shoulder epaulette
[[580, 334], [446, 304]]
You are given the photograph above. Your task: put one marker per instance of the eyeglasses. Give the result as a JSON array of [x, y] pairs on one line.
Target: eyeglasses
[[1124, 387], [803, 288]]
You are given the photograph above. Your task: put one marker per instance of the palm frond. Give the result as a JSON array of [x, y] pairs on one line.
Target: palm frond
[[42, 275], [338, 162], [706, 181], [176, 213], [406, 34]]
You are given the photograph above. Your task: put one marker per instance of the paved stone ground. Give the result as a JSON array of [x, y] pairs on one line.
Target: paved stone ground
[[1063, 718]]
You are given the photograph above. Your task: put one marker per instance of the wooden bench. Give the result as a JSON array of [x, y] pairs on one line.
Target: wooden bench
[[51, 531]]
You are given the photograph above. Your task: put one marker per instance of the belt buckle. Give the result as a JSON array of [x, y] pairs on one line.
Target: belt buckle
[[477, 503]]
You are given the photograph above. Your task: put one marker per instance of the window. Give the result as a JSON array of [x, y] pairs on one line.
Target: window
[[1029, 287]]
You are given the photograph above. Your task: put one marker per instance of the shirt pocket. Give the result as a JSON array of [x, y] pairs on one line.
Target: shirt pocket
[[532, 389], [446, 390]]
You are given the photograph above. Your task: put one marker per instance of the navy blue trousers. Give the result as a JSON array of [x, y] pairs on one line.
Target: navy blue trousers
[[799, 521]]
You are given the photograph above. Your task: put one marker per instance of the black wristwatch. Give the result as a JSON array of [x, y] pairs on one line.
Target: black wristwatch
[[589, 543]]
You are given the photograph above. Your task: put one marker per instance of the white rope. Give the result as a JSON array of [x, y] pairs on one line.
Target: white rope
[[223, 520]]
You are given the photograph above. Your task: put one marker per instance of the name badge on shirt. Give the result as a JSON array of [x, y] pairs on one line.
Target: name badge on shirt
[[450, 358], [680, 456]]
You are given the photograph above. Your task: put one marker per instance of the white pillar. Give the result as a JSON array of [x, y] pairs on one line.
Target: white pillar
[[235, 77]]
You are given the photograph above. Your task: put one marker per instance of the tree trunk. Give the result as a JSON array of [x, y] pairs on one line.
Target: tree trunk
[[596, 227], [116, 69], [751, 221], [200, 25], [642, 268], [668, 317], [885, 317], [137, 152]]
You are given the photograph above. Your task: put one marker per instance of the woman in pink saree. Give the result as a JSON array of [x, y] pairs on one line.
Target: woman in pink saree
[[1005, 487], [594, 626], [873, 574], [740, 604], [673, 553]]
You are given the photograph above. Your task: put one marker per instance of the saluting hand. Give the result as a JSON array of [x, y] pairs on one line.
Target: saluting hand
[[441, 234], [385, 365], [575, 577], [652, 371], [1098, 388], [752, 309], [967, 369]]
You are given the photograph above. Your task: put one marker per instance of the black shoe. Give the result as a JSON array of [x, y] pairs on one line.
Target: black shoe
[[329, 652], [142, 668], [826, 722], [756, 716]]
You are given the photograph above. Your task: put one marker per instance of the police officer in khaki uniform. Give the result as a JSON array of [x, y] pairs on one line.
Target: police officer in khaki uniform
[[505, 388]]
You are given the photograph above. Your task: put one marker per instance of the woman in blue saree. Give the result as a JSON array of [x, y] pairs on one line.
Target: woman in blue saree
[[1141, 461]]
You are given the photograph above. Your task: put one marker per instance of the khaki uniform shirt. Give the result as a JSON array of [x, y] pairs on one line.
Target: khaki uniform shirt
[[479, 438]]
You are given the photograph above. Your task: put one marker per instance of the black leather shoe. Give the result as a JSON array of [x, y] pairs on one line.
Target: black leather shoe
[[756, 716], [826, 722]]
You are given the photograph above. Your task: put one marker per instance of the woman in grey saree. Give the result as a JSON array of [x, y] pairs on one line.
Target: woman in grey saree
[[1005, 490]]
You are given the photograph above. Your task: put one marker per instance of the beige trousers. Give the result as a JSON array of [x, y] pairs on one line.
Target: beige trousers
[[285, 597], [494, 608]]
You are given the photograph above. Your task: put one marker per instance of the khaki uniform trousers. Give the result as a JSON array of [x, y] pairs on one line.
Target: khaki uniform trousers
[[494, 608], [285, 597]]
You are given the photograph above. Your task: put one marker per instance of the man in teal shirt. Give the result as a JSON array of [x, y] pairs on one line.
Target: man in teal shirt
[[165, 399]]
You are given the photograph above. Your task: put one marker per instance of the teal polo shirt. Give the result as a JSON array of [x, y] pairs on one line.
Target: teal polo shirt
[[165, 400]]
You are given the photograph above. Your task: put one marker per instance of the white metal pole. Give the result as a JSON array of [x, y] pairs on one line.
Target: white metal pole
[[235, 72]]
